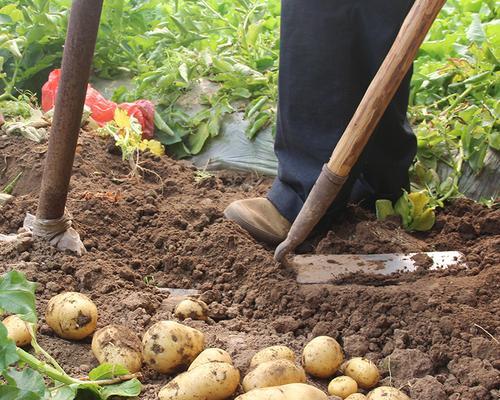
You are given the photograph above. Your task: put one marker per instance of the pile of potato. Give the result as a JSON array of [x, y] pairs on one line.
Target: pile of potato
[[169, 347]]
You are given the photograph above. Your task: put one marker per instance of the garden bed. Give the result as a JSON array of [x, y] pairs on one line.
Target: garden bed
[[428, 331]]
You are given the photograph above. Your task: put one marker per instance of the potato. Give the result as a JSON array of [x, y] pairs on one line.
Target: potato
[[386, 393], [192, 308], [211, 355], [342, 386], [212, 381], [71, 315], [272, 353], [292, 391], [168, 346], [116, 344], [17, 330], [322, 357], [356, 396], [363, 371], [274, 373]]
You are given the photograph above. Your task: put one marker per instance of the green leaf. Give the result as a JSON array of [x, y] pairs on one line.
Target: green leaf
[[8, 355], [475, 33], [197, 140], [29, 382], [64, 393], [184, 72], [17, 295], [9, 392], [494, 140], [107, 371], [131, 388], [404, 208], [423, 222], [419, 201], [384, 209], [12, 46]]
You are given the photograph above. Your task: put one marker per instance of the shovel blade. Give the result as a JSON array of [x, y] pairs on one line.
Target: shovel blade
[[314, 268]]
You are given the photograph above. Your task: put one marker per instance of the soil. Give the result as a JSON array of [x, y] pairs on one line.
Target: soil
[[433, 333]]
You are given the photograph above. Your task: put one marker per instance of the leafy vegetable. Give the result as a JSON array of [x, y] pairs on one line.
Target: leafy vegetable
[[413, 208], [26, 379]]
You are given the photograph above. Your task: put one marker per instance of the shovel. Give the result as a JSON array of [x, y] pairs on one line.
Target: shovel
[[365, 119], [322, 269]]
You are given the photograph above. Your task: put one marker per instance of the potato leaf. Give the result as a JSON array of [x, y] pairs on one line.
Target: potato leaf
[[129, 388], [107, 371], [8, 353], [17, 295], [28, 384], [65, 393]]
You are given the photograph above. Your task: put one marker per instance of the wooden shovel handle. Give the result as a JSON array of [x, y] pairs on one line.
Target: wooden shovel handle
[[384, 85]]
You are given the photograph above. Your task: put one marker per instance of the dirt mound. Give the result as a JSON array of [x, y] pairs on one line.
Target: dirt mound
[[166, 230]]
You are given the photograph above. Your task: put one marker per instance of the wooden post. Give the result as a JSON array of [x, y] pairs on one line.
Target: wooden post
[[77, 59]]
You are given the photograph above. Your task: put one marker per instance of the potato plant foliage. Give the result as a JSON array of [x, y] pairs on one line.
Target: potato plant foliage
[[25, 376]]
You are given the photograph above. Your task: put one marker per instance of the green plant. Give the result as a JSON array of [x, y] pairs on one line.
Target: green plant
[[39, 376], [455, 96], [415, 210]]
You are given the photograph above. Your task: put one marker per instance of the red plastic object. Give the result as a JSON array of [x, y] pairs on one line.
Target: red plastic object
[[103, 110]]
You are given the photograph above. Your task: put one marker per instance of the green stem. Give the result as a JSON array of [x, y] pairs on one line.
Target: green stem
[[218, 15], [39, 349], [46, 369]]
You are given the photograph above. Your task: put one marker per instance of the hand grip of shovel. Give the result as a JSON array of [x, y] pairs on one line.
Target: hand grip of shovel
[[364, 121]]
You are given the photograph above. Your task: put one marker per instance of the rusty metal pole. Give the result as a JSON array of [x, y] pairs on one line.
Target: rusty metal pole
[[77, 59]]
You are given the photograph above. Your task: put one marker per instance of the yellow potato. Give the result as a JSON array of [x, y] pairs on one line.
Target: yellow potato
[[212, 381], [342, 386], [192, 308], [71, 315], [211, 355], [363, 371], [17, 330], [387, 393], [272, 353], [356, 396], [292, 391], [274, 373], [322, 357], [169, 346], [116, 344]]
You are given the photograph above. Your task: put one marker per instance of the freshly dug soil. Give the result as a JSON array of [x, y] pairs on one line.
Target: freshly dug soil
[[433, 333]]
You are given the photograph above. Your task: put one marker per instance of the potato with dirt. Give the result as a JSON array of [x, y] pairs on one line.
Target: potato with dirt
[[211, 355], [116, 344], [168, 346], [273, 373], [17, 330], [212, 381], [272, 353], [192, 308], [363, 371], [292, 391], [322, 357], [386, 393], [342, 386], [71, 315]]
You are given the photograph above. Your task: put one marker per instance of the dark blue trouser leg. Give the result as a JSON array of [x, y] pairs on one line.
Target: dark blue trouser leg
[[330, 51]]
